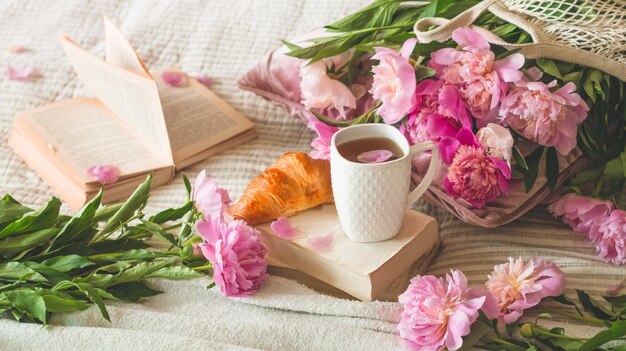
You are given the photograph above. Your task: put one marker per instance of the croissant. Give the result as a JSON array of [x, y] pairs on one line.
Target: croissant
[[294, 183]]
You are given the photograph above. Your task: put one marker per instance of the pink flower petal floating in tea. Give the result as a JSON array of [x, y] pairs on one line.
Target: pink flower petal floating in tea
[[283, 228], [321, 242], [175, 78], [205, 79], [22, 72], [375, 156], [104, 174]]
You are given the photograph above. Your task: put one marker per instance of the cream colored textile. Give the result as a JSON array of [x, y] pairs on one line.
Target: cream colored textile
[[223, 39]]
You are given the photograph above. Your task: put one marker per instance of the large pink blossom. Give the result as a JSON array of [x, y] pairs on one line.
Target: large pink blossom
[[497, 140], [521, 284], [543, 116], [473, 175], [581, 212], [208, 198], [481, 79], [439, 111], [609, 237], [321, 144], [236, 253], [321, 91], [438, 312], [394, 82]]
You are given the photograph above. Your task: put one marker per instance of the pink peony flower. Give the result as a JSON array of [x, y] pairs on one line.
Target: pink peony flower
[[175, 78], [321, 91], [208, 198], [438, 313], [394, 82], [609, 237], [439, 111], [475, 72], [581, 212], [236, 253], [321, 144], [519, 284], [497, 140], [545, 117], [104, 174], [473, 175]]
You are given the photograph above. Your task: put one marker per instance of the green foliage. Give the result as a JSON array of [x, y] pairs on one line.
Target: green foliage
[[52, 263]]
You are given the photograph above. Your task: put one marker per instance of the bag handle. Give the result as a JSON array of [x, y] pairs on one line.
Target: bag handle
[[542, 46]]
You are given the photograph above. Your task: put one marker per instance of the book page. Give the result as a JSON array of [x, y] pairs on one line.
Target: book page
[[120, 52], [133, 98], [197, 119], [81, 133]]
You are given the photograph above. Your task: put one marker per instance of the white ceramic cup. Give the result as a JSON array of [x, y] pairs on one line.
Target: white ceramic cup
[[371, 197]]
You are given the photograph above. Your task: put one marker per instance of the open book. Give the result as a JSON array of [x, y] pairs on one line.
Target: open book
[[134, 122]]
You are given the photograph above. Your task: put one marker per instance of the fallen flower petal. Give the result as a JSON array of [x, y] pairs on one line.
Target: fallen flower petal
[[21, 73], [104, 174], [374, 156], [283, 228], [321, 242], [175, 78], [17, 49], [205, 79]]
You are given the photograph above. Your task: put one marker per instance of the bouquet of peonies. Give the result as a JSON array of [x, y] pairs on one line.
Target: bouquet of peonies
[[510, 129], [446, 314]]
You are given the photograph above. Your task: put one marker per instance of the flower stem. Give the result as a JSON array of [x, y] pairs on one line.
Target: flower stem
[[178, 225], [511, 345], [201, 268], [590, 320]]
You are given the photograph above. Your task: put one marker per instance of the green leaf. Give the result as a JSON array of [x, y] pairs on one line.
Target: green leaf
[[188, 186], [51, 274], [290, 46], [533, 161], [105, 212], [42, 219], [423, 72], [552, 167], [377, 14], [67, 263], [426, 49], [175, 273], [29, 302], [19, 271], [171, 214], [13, 245], [549, 67], [592, 306], [478, 330], [562, 299], [57, 304], [156, 230], [11, 210], [586, 176], [616, 300], [519, 159], [97, 280], [138, 272], [76, 226], [508, 53], [137, 200], [93, 296], [615, 169], [133, 291], [617, 330]]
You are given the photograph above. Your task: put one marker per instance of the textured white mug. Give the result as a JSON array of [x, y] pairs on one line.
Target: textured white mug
[[371, 197]]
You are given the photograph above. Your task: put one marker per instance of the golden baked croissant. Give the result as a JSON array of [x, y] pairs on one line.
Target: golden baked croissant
[[294, 183]]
